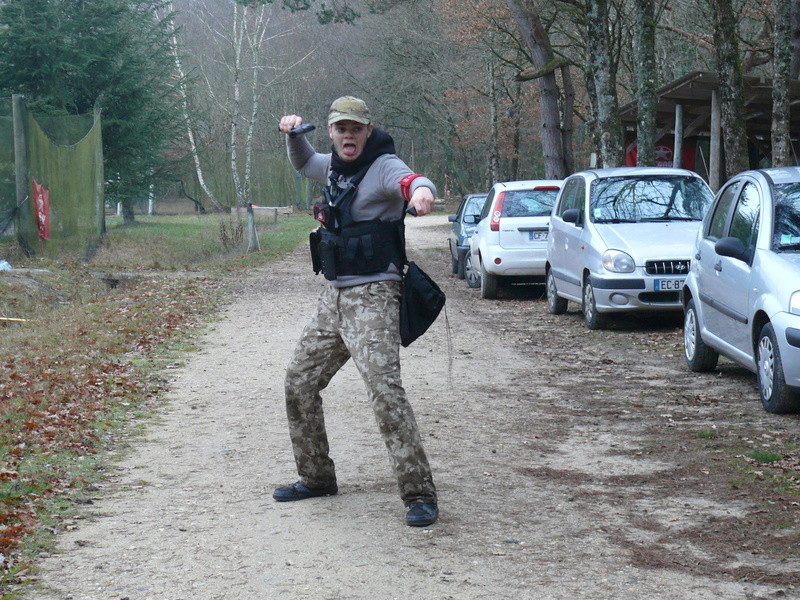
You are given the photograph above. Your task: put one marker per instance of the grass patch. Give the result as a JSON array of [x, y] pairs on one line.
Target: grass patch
[[195, 241], [707, 434], [764, 456], [86, 363]]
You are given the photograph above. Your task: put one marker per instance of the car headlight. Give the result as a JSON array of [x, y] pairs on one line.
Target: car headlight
[[617, 261], [794, 304]]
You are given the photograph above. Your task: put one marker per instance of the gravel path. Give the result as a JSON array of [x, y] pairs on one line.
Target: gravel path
[[541, 496]]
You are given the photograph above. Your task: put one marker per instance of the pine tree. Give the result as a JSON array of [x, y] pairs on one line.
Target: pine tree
[[67, 55]]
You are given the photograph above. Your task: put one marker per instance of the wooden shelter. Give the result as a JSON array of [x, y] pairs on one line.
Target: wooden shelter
[[688, 124]]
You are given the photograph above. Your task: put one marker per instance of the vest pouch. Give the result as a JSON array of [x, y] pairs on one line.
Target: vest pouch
[[313, 245], [327, 248], [368, 248]]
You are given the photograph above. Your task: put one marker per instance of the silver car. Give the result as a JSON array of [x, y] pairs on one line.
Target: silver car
[[742, 296], [621, 240]]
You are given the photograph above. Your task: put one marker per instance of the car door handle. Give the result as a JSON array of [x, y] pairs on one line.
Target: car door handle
[[697, 256], [718, 266]]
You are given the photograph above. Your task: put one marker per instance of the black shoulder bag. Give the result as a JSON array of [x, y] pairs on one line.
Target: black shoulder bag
[[421, 301]]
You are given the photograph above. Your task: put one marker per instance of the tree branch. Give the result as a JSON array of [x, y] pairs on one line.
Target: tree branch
[[552, 66]]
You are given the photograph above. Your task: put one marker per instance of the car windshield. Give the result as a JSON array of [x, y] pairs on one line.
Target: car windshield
[[474, 205], [786, 235], [529, 203], [652, 198]]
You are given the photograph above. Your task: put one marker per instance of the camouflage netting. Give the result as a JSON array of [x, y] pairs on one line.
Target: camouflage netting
[[7, 185], [65, 158]]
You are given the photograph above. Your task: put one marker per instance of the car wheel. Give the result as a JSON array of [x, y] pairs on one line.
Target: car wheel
[[776, 396], [556, 305], [471, 274], [592, 318], [461, 267], [699, 357], [489, 284]]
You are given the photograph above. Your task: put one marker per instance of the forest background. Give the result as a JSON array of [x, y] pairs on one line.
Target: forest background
[[477, 92], [191, 92]]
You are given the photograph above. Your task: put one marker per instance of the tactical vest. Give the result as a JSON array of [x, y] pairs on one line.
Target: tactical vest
[[342, 246]]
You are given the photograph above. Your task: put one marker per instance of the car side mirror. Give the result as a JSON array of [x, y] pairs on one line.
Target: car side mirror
[[572, 215], [734, 248], [452, 218], [471, 219]]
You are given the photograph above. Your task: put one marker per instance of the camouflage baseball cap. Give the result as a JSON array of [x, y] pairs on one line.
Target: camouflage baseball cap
[[349, 108]]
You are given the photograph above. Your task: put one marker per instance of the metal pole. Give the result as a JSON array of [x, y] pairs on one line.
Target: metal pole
[[715, 160], [677, 151]]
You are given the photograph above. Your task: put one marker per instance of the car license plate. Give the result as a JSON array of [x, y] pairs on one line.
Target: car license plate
[[668, 285], [537, 236]]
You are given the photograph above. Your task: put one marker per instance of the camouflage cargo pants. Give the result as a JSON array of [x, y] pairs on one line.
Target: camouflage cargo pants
[[359, 322]]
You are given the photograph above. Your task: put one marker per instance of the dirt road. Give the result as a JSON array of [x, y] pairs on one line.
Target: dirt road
[[571, 464]]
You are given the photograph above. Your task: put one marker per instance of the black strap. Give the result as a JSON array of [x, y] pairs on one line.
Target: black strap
[[403, 225], [344, 196], [352, 182]]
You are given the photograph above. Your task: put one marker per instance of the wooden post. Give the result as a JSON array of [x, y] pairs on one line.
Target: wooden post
[[715, 158], [99, 181], [26, 226], [677, 151]]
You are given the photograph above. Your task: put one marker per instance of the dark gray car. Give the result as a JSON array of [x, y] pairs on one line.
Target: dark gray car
[[463, 225]]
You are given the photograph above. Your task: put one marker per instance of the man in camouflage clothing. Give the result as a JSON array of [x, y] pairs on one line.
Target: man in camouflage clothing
[[358, 311]]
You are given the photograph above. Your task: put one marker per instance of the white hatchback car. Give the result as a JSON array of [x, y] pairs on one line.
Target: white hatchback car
[[622, 240], [509, 244], [742, 296]]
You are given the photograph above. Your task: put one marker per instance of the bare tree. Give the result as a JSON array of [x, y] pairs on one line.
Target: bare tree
[[605, 84], [645, 71], [545, 64], [795, 39], [781, 68], [190, 133], [729, 67], [493, 166]]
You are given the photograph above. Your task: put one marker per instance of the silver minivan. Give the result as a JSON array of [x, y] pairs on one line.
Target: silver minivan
[[621, 240], [742, 296]]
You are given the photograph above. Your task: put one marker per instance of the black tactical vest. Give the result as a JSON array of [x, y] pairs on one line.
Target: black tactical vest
[[342, 246]]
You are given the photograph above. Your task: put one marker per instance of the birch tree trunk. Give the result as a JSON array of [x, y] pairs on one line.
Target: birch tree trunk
[[608, 123], [239, 36], [181, 73], [645, 70], [255, 40], [729, 66], [235, 116], [538, 43], [781, 67]]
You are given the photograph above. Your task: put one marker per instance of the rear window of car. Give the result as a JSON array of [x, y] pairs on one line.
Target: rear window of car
[[529, 203], [474, 205], [652, 198], [786, 234]]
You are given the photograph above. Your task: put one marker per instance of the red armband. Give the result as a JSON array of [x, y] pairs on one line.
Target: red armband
[[405, 186]]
